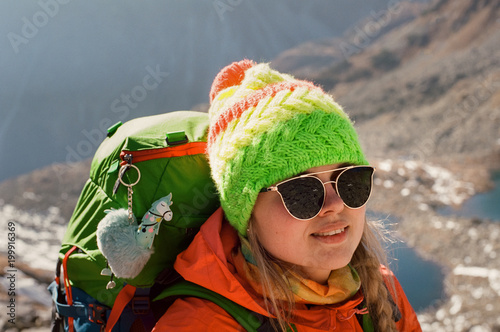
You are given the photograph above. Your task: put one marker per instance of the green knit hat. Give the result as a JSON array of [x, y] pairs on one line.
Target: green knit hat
[[265, 127]]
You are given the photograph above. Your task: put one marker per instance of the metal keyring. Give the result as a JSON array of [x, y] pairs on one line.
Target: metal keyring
[[122, 172]]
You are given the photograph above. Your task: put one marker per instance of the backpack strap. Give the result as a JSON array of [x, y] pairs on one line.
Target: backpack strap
[[75, 306], [122, 299], [185, 288], [365, 320], [137, 299], [67, 285], [249, 320]]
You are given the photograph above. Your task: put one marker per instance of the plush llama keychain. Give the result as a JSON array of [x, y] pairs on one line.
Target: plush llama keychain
[[126, 245], [150, 224]]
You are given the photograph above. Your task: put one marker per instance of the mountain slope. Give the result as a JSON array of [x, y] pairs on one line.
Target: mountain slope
[[427, 88]]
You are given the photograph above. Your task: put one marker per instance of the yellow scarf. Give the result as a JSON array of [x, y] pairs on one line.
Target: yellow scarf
[[342, 283]]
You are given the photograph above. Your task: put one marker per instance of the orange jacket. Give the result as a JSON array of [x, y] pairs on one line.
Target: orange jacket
[[208, 262]]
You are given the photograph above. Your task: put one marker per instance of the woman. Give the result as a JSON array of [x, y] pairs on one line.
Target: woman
[[291, 240]]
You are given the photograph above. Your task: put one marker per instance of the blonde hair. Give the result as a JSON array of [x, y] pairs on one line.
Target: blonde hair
[[367, 260]]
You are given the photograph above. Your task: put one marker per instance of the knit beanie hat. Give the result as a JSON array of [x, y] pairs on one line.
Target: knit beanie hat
[[265, 127]]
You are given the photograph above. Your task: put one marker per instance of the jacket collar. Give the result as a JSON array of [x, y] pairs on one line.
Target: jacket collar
[[208, 262]]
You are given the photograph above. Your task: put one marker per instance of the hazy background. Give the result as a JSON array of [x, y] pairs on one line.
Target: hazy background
[[63, 64]]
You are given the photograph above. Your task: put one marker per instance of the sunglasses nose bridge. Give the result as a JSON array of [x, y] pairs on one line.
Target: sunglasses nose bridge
[[332, 202], [333, 183], [330, 190]]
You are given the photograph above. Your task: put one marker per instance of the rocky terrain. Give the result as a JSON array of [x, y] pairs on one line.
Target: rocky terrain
[[422, 82], [426, 89], [467, 249]]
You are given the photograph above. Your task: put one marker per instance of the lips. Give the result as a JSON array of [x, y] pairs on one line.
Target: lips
[[330, 233], [330, 228]]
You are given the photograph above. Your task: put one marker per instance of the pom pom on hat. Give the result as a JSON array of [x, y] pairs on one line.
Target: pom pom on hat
[[265, 127], [230, 76]]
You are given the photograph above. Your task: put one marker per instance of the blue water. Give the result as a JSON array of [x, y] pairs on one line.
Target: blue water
[[483, 206], [422, 280]]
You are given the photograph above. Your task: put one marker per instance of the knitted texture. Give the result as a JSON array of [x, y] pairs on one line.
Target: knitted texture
[[265, 127]]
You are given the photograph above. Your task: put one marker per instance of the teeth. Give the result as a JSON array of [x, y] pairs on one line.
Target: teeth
[[338, 231]]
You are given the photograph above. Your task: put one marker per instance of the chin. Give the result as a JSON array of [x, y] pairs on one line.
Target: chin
[[339, 263]]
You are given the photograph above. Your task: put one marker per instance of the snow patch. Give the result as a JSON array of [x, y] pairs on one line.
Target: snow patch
[[456, 304], [38, 236], [29, 287], [388, 184], [493, 275], [385, 165]]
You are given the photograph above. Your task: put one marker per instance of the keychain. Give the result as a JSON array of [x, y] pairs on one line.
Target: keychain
[[126, 244], [130, 192], [116, 237]]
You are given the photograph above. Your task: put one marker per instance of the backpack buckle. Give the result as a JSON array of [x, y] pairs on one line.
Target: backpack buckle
[[97, 313], [176, 138], [140, 305]]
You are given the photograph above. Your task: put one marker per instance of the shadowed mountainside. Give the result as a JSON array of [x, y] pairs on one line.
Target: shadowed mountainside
[[423, 85]]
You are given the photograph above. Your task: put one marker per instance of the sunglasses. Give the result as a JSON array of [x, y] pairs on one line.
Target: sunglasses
[[304, 196]]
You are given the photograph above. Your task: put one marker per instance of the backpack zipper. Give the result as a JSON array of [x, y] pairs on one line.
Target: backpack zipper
[[129, 157], [188, 149]]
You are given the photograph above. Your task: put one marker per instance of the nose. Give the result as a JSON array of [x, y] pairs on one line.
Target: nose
[[333, 202]]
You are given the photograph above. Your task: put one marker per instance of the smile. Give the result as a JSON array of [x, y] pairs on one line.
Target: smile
[[335, 232]]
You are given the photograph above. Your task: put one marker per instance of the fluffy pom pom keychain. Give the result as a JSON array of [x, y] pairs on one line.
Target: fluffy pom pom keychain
[[126, 245], [116, 238]]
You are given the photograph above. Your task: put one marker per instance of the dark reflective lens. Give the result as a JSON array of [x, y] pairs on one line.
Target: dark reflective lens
[[303, 197], [354, 186]]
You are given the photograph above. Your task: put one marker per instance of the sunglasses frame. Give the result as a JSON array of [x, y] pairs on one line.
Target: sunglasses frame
[[343, 169]]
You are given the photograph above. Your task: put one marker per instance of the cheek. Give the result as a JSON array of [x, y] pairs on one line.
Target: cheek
[[271, 226], [275, 228], [269, 211], [280, 240], [358, 222]]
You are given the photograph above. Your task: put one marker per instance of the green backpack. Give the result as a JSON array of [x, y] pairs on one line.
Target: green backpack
[[168, 151]]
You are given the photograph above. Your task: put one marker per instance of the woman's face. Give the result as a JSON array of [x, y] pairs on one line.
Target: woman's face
[[318, 246]]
